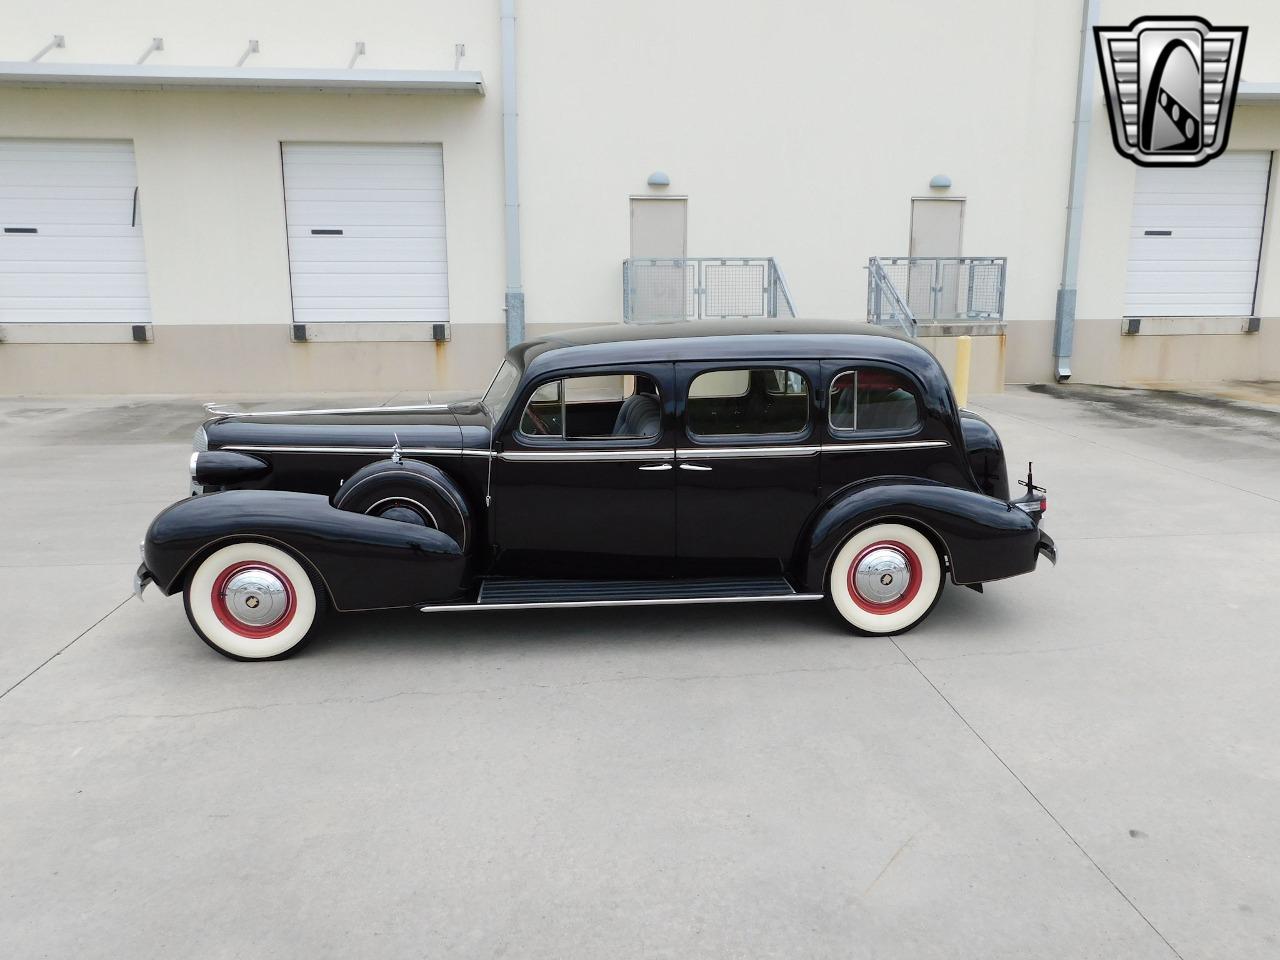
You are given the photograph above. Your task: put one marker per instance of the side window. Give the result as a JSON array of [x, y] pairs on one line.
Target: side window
[[873, 399], [747, 402], [611, 407], [544, 416]]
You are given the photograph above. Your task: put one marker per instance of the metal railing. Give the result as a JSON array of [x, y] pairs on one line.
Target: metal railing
[[909, 291], [698, 288], [885, 305]]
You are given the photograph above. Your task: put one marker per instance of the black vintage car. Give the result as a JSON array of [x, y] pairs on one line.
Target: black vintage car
[[681, 463]]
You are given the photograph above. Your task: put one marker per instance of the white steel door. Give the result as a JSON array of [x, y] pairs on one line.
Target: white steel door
[[1195, 237], [366, 231], [659, 290], [933, 287], [71, 247]]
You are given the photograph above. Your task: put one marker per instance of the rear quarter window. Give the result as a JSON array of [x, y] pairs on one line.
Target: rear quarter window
[[872, 399]]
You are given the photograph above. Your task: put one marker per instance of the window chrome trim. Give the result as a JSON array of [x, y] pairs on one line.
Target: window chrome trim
[[810, 403], [883, 445], [734, 453], [373, 451], [839, 431], [630, 453]]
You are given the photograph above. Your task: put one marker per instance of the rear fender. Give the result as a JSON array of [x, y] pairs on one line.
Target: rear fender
[[366, 563], [983, 538]]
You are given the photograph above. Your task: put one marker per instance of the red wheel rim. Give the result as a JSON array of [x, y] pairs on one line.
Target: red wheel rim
[[914, 575], [229, 620]]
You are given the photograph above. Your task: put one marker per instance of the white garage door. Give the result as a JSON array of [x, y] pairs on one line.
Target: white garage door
[[1193, 249], [366, 231], [71, 250]]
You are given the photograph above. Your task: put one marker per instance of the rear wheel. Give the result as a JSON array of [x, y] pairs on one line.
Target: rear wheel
[[885, 579], [252, 601]]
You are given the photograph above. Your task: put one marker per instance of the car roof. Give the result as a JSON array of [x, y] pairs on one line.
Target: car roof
[[749, 339]]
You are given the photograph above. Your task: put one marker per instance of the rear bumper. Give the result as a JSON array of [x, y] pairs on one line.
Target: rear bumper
[[1045, 547]]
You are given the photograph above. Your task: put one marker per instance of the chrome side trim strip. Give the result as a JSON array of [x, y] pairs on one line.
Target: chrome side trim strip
[[374, 451], [686, 453], [885, 445], [661, 454], [553, 604], [226, 410], [736, 453]]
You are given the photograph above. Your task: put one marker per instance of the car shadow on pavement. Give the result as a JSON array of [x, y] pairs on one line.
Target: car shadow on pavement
[[564, 628], [960, 611]]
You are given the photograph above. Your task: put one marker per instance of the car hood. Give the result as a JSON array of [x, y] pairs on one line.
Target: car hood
[[426, 427]]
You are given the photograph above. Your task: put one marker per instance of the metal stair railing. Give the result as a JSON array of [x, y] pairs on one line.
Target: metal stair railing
[[910, 291], [697, 288], [885, 305]]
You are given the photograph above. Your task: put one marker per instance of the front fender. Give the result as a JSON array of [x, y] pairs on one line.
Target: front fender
[[984, 538], [366, 563]]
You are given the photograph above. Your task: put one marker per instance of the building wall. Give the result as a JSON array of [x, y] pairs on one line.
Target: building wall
[[800, 132], [212, 198], [1102, 354]]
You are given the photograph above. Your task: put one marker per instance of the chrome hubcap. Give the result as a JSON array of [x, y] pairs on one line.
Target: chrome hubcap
[[883, 575], [257, 598]]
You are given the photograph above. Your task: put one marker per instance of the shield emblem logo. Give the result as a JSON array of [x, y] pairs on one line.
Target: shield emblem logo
[[1170, 84]]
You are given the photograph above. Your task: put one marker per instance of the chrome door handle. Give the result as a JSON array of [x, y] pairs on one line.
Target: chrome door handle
[[657, 466], [694, 466]]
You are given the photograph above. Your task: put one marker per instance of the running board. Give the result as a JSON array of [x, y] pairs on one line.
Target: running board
[[504, 594]]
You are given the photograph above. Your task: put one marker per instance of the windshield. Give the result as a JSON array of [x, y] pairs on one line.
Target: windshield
[[501, 390]]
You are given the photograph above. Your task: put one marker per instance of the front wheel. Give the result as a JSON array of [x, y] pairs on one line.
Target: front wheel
[[885, 579], [251, 601]]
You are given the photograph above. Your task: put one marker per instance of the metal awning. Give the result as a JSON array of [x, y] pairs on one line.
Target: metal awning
[[1258, 92], [148, 77]]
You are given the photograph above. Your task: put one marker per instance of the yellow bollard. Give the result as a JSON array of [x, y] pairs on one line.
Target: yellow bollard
[[964, 352]]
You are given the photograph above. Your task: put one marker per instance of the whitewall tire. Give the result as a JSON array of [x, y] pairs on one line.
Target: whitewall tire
[[885, 579], [252, 601]]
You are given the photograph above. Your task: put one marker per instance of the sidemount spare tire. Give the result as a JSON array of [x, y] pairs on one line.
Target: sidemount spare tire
[[411, 491]]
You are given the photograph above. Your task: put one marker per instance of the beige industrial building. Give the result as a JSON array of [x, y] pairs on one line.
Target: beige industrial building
[[304, 195]]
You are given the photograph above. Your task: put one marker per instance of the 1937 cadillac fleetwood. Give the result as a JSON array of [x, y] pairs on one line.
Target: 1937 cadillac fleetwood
[[676, 463]]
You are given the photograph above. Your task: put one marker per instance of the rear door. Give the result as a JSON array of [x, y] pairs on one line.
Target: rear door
[[747, 464]]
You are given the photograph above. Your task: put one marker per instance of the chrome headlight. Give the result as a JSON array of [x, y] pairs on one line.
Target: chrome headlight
[[200, 442]]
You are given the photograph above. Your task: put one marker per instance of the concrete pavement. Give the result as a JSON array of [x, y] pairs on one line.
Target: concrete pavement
[[1082, 762]]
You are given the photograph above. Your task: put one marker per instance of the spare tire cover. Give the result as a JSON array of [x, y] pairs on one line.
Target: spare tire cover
[[414, 481]]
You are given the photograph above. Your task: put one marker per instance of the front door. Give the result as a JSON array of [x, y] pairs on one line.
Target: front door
[[747, 465], [584, 481]]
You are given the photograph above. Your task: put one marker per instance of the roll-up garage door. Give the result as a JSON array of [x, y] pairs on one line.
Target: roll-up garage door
[[1195, 238], [71, 247], [366, 232]]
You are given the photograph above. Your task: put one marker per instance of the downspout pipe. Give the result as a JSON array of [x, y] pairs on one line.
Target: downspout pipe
[[1064, 317], [511, 177]]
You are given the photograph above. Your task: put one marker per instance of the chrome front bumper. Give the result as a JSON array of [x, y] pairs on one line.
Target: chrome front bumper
[[141, 577]]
